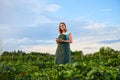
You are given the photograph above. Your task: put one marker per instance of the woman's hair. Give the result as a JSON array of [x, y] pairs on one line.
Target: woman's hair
[[60, 31]]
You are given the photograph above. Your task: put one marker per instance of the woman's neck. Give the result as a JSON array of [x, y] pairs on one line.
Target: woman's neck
[[63, 32]]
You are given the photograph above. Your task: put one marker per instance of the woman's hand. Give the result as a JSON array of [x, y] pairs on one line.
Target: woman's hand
[[58, 40]]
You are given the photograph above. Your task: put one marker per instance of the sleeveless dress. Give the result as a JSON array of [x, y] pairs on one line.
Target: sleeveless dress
[[63, 52]]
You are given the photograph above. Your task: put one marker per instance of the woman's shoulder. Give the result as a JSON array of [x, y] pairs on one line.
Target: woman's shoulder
[[67, 33]]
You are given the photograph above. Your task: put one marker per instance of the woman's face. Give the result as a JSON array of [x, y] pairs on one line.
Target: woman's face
[[62, 27]]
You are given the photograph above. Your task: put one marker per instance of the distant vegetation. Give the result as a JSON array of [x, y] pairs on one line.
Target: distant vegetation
[[101, 65]]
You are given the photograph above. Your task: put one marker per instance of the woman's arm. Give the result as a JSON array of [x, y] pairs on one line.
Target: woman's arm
[[69, 39]]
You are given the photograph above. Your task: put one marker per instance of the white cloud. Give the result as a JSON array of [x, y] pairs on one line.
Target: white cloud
[[93, 25], [40, 48], [3, 27], [82, 46], [1, 46], [39, 20], [6, 31], [26, 12], [45, 41], [92, 47], [25, 40], [52, 7], [15, 44], [91, 44], [14, 41], [88, 44]]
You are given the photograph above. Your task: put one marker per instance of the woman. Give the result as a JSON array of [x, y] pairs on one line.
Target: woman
[[63, 53]]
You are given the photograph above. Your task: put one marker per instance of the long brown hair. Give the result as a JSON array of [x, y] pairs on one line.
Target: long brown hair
[[60, 31]]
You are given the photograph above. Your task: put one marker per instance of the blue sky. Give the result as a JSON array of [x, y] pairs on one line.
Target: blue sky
[[32, 25]]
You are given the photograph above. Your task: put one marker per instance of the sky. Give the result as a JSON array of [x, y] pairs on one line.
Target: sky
[[32, 25]]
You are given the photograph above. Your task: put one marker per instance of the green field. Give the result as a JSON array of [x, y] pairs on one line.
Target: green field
[[101, 65]]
